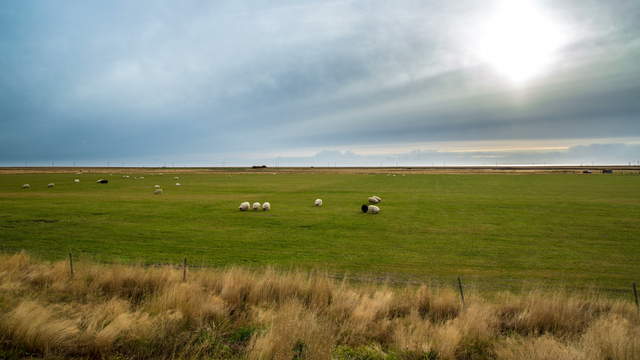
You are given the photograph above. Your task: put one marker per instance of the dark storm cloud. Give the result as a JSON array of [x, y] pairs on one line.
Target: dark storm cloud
[[160, 79]]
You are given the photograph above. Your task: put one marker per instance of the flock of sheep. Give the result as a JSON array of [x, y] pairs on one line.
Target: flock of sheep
[[157, 190], [245, 206], [367, 209], [50, 185], [371, 208]]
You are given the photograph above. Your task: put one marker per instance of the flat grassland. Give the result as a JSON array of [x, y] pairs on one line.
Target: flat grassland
[[494, 230]]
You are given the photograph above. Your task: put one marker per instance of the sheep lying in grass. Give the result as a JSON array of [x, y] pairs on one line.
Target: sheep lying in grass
[[266, 206], [76, 180], [178, 184], [50, 185], [256, 206], [318, 202], [375, 199], [244, 206], [26, 186], [176, 178], [370, 209], [156, 186], [157, 191]]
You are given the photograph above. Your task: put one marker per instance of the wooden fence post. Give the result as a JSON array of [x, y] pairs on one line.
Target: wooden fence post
[[71, 264], [461, 291], [184, 270], [635, 295]]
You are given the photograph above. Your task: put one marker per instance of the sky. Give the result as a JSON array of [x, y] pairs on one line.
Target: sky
[[319, 83]]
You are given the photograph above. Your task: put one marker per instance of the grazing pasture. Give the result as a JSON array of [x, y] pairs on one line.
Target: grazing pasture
[[494, 230]]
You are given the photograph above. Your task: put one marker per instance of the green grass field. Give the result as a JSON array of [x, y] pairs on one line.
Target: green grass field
[[493, 230]]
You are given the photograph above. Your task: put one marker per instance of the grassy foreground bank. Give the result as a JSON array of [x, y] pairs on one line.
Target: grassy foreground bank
[[129, 312]]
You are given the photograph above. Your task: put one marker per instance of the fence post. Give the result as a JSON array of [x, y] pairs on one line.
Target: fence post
[[635, 295], [71, 264], [184, 270], [461, 291]]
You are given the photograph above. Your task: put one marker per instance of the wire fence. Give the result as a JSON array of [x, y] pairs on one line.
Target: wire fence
[[470, 283]]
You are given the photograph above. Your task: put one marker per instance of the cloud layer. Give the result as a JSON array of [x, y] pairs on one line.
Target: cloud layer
[[133, 81]]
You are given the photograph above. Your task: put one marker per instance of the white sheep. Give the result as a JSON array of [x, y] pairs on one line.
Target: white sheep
[[157, 191], [266, 206], [375, 199], [76, 180], [26, 186], [370, 209], [318, 202], [256, 206], [156, 186], [244, 206], [50, 185], [176, 178], [178, 184]]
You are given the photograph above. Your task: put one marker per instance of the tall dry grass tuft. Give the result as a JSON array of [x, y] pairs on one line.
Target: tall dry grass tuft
[[106, 321], [36, 327], [471, 335], [15, 264], [545, 347], [191, 301], [414, 335], [612, 337], [133, 312], [441, 305], [292, 332], [557, 313], [133, 283], [235, 287]]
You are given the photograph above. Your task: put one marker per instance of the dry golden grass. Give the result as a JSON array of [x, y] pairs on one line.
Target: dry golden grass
[[132, 312]]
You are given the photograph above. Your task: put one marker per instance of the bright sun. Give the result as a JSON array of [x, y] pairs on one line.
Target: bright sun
[[519, 40]]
